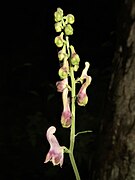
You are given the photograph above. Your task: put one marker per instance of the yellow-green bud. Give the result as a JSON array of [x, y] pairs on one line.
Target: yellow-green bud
[[63, 73], [58, 15], [75, 59], [58, 41], [58, 26], [62, 53], [70, 18], [68, 30], [76, 68]]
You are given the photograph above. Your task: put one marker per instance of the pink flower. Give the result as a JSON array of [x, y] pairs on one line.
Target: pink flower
[[56, 152], [82, 98], [66, 114], [61, 85], [85, 70]]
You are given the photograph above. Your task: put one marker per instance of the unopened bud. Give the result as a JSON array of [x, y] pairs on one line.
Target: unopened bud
[[63, 73], [76, 67], [58, 41], [70, 18], [75, 59], [58, 15], [68, 30], [58, 26], [62, 53]]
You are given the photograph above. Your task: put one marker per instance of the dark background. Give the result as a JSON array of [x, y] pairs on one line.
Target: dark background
[[29, 102]]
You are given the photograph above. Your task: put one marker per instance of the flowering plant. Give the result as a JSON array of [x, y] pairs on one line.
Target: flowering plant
[[70, 63]]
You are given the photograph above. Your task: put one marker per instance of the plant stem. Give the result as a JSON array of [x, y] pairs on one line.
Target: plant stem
[[74, 166], [83, 132], [72, 131], [72, 135]]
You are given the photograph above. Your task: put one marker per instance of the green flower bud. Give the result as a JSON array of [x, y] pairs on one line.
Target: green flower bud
[[70, 18], [58, 15], [62, 53], [58, 26], [75, 59], [63, 73], [58, 41], [68, 30], [76, 68]]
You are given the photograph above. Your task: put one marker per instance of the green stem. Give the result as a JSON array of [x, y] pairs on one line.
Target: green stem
[[83, 132], [72, 135], [72, 131], [74, 166]]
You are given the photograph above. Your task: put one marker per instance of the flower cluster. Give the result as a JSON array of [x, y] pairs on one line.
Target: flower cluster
[[63, 22], [69, 61]]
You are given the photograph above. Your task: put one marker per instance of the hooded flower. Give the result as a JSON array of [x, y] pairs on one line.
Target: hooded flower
[[84, 72], [61, 85], [82, 98], [66, 114], [56, 152]]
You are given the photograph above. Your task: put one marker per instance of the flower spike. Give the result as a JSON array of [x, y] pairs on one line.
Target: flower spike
[[69, 63]]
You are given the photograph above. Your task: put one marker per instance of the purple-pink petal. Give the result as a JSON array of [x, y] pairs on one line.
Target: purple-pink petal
[[66, 114], [66, 118], [61, 85], [82, 97], [56, 152]]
